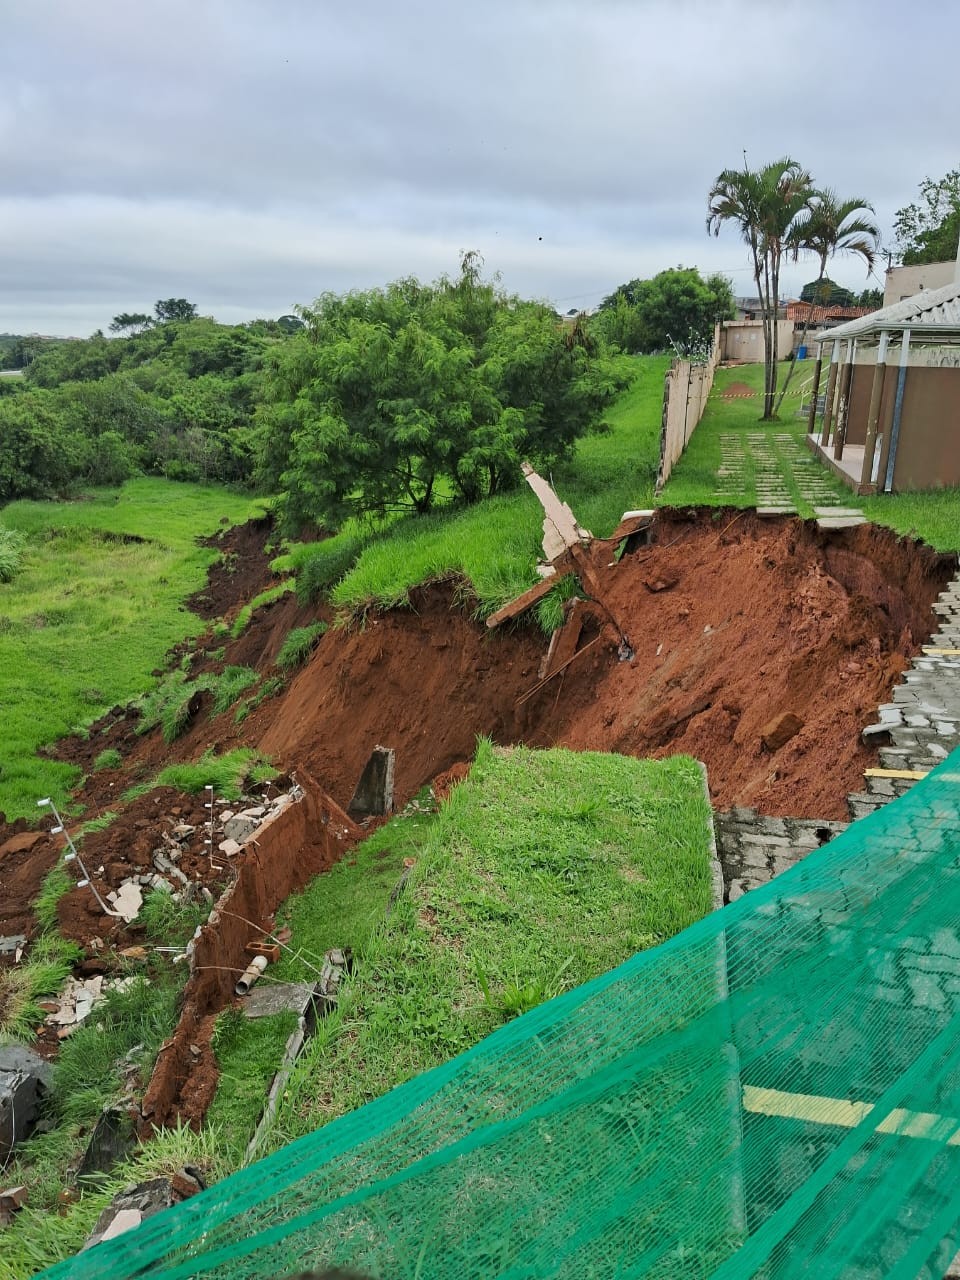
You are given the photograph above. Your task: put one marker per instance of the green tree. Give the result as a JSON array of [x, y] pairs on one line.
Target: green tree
[[764, 205], [831, 226], [826, 293], [390, 397], [869, 298], [166, 309], [928, 230], [39, 456], [128, 322], [676, 308]]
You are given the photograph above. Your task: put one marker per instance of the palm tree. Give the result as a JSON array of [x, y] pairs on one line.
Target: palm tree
[[832, 226], [765, 205]]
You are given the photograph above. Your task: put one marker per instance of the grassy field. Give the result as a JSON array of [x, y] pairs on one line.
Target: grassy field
[[934, 517], [94, 610], [541, 871]]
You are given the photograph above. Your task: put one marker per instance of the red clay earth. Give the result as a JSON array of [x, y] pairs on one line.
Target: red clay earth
[[733, 621]]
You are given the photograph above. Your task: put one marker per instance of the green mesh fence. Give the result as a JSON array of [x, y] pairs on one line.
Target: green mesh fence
[[773, 1093]]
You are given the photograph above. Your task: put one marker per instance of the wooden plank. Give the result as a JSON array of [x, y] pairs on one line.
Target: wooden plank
[[520, 604], [563, 642], [911, 775], [941, 653]]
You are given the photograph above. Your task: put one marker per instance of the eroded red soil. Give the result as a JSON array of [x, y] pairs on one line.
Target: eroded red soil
[[733, 620]]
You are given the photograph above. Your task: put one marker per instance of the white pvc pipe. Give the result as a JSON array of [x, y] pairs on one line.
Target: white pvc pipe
[[252, 972]]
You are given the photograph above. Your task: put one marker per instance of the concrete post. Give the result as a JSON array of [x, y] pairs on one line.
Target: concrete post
[[828, 399], [873, 413], [843, 406], [814, 391]]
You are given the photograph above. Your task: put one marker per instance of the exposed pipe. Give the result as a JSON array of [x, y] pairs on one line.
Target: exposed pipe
[[250, 975]]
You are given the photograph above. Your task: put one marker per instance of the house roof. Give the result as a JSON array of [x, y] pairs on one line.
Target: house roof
[[933, 310], [820, 315]]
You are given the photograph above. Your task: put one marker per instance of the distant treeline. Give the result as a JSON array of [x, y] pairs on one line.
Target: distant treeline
[[177, 399], [390, 400]]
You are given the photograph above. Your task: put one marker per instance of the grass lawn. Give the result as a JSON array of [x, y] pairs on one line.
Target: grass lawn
[[934, 517], [542, 870], [496, 543], [93, 613]]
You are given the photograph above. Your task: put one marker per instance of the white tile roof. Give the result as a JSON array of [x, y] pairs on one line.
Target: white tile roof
[[931, 309]]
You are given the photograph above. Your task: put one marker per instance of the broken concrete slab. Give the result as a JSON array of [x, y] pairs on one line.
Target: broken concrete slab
[[240, 828], [24, 1080], [127, 900], [230, 847], [374, 794], [279, 997], [135, 1203], [12, 943], [840, 522]]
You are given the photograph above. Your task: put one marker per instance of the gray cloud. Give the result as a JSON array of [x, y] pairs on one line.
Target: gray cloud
[[250, 155]]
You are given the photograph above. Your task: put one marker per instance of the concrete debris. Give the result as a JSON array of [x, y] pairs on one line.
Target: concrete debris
[[240, 828], [135, 1203], [374, 794], [12, 1200], [24, 1079], [11, 944], [230, 848], [279, 997], [127, 900]]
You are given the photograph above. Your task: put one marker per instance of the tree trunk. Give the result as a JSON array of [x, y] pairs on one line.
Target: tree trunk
[[803, 333]]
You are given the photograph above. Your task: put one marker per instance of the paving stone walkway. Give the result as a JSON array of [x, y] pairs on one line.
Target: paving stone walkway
[[779, 463]]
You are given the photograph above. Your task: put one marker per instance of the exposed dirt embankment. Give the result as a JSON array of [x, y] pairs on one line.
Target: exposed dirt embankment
[[733, 620], [305, 838]]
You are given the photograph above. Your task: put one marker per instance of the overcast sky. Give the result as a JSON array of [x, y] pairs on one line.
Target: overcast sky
[[251, 154]]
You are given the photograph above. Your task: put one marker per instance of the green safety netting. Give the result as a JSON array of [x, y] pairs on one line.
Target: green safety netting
[[775, 1092]]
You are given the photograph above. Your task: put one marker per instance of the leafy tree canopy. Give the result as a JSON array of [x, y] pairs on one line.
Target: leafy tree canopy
[[826, 293], [928, 230], [131, 322], [676, 308], [396, 398], [174, 309]]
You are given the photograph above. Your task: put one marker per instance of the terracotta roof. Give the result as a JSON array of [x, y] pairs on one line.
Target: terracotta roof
[[820, 315]]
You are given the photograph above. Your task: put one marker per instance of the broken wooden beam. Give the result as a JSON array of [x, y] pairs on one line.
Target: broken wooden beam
[[563, 642], [528, 598]]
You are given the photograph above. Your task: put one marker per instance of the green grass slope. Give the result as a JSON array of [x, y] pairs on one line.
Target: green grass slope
[[542, 870], [92, 613]]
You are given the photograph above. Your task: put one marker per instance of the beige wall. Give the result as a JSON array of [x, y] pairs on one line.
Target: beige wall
[[743, 340], [904, 282], [686, 389]]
